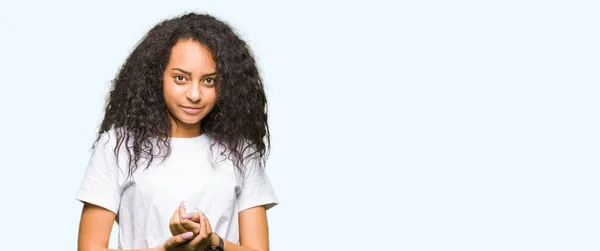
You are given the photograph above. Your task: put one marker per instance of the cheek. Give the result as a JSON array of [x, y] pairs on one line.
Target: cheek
[[212, 96], [169, 93]]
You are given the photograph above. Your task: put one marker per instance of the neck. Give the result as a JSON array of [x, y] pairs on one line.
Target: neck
[[182, 130]]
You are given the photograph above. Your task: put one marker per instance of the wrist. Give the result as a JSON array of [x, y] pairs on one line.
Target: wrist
[[214, 239], [216, 242]]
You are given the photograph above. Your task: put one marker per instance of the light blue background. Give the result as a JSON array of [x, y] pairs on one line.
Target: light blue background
[[414, 125]]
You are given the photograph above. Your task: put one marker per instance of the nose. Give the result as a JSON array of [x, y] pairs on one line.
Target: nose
[[194, 94]]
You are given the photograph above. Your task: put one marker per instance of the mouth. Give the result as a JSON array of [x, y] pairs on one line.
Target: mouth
[[193, 110]]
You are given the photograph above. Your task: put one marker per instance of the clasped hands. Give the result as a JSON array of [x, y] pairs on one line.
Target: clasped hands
[[191, 231]]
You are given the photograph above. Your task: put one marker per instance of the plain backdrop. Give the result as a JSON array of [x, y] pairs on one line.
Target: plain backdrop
[[400, 125]]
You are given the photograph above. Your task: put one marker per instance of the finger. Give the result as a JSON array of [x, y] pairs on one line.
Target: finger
[[191, 226], [194, 243], [178, 239], [209, 230], [193, 216], [208, 226], [177, 221], [203, 229], [171, 225], [172, 228], [201, 238]]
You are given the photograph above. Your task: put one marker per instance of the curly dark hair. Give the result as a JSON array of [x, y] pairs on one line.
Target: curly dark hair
[[136, 104]]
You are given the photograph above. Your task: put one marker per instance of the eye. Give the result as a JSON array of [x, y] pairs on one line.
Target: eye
[[210, 81], [180, 79]]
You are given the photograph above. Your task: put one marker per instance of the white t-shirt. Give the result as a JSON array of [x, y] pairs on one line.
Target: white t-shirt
[[145, 204]]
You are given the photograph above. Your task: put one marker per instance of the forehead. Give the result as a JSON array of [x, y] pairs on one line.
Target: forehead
[[192, 56]]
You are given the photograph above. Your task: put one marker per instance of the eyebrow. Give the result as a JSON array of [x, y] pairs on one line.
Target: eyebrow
[[189, 73]]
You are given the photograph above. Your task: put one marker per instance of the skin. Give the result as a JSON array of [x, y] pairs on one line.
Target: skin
[[188, 81], [254, 234]]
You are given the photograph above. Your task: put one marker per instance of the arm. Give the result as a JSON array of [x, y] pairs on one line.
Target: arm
[[95, 227], [254, 199], [254, 231], [96, 224]]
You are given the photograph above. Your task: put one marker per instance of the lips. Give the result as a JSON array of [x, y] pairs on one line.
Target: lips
[[192, 110]]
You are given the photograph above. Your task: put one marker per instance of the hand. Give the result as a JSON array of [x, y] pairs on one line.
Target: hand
[[197, 225], [173, 243], [182, 222]]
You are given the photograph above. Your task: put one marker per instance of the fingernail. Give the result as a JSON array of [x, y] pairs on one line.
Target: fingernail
[[181, 204], [188, 215], [201, 213], [187, 235]]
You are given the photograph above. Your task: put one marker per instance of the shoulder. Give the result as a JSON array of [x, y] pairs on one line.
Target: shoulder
[[247, 150], [104, 139], [244, 151], [109, 140]]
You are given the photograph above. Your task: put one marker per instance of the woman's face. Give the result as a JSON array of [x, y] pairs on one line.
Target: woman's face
[[189, 86]]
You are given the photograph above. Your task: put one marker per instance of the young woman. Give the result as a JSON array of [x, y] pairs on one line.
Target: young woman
[[179, 159]]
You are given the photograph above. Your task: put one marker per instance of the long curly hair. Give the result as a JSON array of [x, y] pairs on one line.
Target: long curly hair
[[136, 105]]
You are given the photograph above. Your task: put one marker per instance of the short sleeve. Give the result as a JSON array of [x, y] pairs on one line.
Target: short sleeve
[[256, 189], [100, 183]]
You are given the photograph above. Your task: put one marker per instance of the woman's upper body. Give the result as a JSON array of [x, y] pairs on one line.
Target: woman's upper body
[[192, 173], [185, 120]]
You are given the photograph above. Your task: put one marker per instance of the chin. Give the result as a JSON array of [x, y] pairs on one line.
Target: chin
[[189, 120]]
